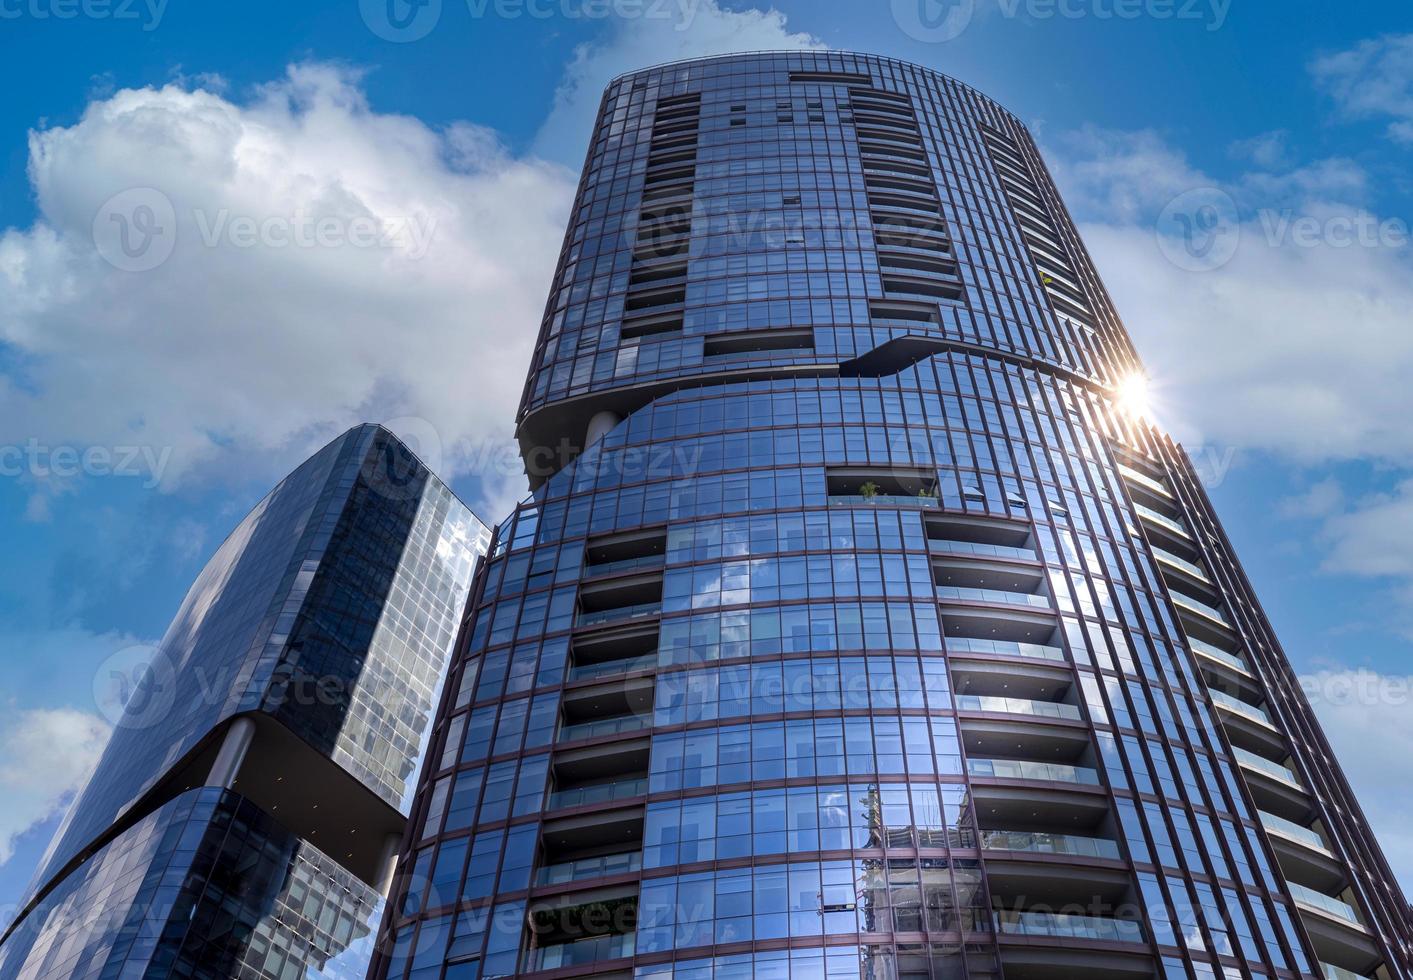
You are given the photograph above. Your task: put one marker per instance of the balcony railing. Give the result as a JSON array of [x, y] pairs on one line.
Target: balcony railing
[[624, 565], [1224, 700], [1148, 513], [967, 594], [602, 727], [1194, 570], [1035, 651], [1219, 655], [880, 500], [1017, 706], [1043, 771], [624, 789], [1273, 769], [1330, 972], [1133, 476], [1069, 926], [601, 616], [949, 547], [580, 672], [587, 868], [1324, 903], [1201, 609], [1010, 840], [583, 952], [1291, 830]]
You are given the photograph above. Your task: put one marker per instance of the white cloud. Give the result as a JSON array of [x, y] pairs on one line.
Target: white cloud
[[1319, 500], [1375, 537], [1373, 79], [642, 41], [45, 754], [1299, 344], [1366, 717], [251, 356]]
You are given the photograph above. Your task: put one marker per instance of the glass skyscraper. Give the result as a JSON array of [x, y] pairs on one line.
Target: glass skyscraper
[[870, 635], [243, 820]]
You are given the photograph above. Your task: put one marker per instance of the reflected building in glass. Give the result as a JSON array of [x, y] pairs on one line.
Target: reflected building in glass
[[869, 636], [243, 820]]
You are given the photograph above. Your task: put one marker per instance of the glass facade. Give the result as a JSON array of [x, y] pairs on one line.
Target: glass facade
[[300, 672], [853, 629]]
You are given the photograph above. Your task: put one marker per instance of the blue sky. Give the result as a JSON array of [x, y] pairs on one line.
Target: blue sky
[[143, 411]]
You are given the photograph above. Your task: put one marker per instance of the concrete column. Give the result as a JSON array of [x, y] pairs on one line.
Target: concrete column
[[387, 863], [232, 753], [599, 426]]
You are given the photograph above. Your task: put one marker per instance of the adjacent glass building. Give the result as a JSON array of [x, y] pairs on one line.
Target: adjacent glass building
[[869, 636], [243, 820]]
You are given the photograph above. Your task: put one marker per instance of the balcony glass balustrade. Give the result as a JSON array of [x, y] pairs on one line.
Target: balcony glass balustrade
[[1310, 898], [1194, 570], [1018, 706], [602, 727], [1035, 651], [1151, 515], [624, 789], [947, 546], [624, 565], [967, 594], [1068, 926], [1032, 843], [1224, 700], [583, 952], [601, 616], [588, 868], [1273, 769], [1219, 655], [1043, 771], [1200, 608], [1291, 830], [606, 668]]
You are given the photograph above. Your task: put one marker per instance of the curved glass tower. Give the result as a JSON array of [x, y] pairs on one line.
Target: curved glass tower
[[243, 819], [869, 636]]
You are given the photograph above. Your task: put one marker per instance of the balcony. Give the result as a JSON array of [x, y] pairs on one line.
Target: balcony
[[583, 930], [623, 789], [1293, 831], [1266, 767], [1058, 924], [1226, 659], [997, 596], [1168, 524], [623, 565], [607, 654], [1235, 705], [1018, 706], [1190, 569], [1143, 480], [1042, 843], [1339, 973], [602, 727], [602, 617], [1323, 904], [1187, 603], [1006, 648], [979, 550], [897, 487], [586, 869], [1038, 771]]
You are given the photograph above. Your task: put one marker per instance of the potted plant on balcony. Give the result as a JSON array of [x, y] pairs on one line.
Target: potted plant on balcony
[[868, 490]]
